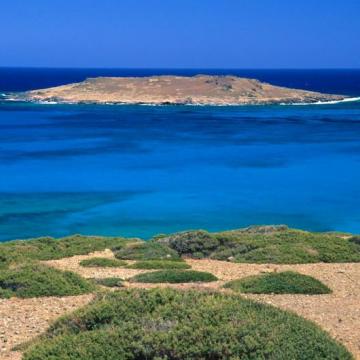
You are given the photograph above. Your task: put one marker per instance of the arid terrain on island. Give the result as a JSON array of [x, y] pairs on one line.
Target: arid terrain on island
[[197, 90]]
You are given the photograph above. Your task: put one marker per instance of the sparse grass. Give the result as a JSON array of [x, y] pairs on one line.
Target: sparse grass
[[110, 282], [167, 324], [48, 248], [265, 244], [174, 276], [159, 264], [35, 280], [148, 250], [287, 282], [102, 262]]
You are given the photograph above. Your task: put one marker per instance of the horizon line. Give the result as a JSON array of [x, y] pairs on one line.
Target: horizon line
[[177, 68]]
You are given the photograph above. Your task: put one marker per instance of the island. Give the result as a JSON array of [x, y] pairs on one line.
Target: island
[[176, 90]]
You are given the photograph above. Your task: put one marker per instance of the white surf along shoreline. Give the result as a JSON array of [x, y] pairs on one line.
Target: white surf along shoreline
[[10, 98]]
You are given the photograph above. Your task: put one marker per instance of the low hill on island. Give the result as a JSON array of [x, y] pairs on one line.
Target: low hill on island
[[197, 90]]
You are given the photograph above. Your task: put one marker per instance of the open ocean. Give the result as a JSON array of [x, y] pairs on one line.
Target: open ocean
[[143, 170]]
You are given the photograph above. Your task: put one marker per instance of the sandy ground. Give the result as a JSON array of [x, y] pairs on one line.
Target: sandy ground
[[338, 313], [23, 319]]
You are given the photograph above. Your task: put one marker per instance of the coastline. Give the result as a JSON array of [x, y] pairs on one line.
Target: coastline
[[9, 99]]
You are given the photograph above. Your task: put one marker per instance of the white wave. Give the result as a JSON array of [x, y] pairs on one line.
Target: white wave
[[11, 99], [47, 102], [330, 102]]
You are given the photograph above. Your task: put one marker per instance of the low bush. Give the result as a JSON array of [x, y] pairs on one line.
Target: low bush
[[159, 264], [167, 324], [47, 248], [196, 244], [5, 293], [286, 282], [256, 244], [355, 240], [102, 262], [174, 276], [265, 244], [35, 280], [146, 250], [110, 282]]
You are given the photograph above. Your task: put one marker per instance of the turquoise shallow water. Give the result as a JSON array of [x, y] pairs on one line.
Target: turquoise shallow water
[[142, 170]]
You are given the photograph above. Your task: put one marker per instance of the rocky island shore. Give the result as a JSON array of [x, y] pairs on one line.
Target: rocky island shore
[[176, 90]]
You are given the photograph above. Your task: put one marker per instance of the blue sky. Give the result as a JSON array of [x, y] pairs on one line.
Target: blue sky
[[181, 33]]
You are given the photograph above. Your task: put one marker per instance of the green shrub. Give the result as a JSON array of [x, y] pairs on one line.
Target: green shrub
[[355, 240], [174, 276], [286, 282], [196, 244], [167, 324], [110, 282], [36, 280], [102, 262], [47, 248], [230, 253], [265, 244], [257, 244], [5, 293], [146, 250], [159, 264]]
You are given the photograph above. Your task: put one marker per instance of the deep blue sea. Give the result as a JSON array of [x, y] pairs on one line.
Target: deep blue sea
[[143, 170]]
